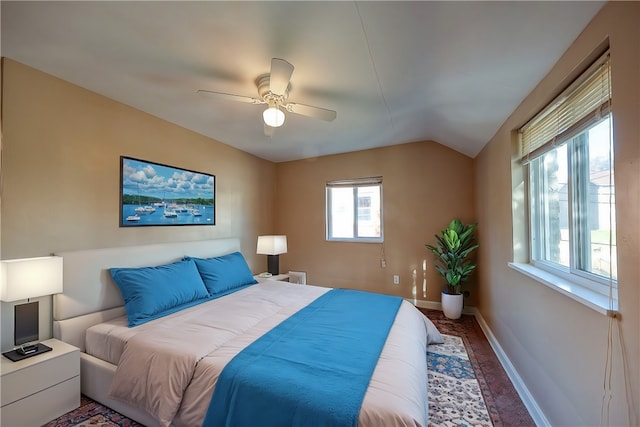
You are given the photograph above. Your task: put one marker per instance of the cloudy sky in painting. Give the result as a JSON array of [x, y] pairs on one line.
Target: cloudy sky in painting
[[164, 182]]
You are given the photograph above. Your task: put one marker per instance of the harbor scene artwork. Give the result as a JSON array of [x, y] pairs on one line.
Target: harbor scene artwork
[[153, 194]]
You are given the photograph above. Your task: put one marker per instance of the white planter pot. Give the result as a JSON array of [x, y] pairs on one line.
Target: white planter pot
[[452, 305]]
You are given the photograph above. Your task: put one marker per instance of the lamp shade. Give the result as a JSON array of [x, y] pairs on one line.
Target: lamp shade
[[30, 277], [272, 245]]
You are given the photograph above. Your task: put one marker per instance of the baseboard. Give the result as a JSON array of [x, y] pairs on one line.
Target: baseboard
[[528, 400], [433, 305], [425, 304]]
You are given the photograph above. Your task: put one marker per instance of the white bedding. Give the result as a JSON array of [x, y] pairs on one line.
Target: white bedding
[[169, 366]]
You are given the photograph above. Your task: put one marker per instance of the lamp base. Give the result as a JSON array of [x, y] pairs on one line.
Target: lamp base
[[26, 352], [273, 264]]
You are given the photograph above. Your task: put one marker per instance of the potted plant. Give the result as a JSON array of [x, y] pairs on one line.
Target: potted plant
[[455, 244]]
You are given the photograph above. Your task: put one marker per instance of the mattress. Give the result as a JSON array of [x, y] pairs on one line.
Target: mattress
[[212, 333], [235, 313]]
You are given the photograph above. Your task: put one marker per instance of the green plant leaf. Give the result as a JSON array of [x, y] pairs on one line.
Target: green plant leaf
[[454, 245]]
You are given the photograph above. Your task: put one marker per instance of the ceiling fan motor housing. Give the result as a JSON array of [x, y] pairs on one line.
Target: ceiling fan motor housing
[[263, 83]]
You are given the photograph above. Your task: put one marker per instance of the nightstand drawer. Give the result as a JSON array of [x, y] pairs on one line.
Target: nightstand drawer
[[44, 406], [39, 373]]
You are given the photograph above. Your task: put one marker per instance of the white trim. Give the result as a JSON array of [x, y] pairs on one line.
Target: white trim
[[526, 397], [581, 294], [433, 305], [425, 304]]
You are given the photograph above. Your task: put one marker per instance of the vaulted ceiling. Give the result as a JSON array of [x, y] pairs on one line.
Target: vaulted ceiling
[[395, 72]]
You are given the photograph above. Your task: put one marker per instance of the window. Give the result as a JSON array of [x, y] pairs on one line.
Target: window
[[568, 148], [354, 210]]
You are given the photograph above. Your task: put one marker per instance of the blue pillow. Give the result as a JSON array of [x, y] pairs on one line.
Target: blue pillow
[[224, 273], [153, 292]]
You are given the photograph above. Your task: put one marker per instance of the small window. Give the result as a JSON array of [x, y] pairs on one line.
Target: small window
[[354, 210], [568, 148]]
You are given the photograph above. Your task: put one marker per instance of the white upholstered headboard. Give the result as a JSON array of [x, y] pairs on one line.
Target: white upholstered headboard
[[90, 296]]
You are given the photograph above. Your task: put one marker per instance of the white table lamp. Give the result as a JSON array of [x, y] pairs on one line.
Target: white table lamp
[[22, 279], [272, 246]]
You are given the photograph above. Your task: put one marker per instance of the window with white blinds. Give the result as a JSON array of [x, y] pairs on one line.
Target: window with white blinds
[[569, 157], [582, 104]]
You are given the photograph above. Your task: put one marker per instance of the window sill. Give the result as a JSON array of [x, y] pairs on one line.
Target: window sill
[[594, 300]]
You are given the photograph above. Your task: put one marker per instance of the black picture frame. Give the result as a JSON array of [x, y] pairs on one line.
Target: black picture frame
[[155, 194]]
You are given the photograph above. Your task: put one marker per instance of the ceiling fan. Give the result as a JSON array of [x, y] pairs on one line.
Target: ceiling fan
[[273, 90]]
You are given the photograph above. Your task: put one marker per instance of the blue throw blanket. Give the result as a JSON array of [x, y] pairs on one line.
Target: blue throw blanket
[[313, 369]]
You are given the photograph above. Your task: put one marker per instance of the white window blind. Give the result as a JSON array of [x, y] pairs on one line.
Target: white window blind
[[583, 103], [376, 180]]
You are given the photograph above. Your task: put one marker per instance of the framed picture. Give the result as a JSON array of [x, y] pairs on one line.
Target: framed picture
[[153, 194]]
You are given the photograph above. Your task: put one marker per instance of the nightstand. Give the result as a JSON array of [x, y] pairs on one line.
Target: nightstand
[[41, 388], [281, 277]]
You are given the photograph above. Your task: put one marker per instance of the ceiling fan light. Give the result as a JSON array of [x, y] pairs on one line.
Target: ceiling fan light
[[273, 117]]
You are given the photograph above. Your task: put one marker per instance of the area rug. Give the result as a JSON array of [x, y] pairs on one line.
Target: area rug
[[92, 414], [455, 397]]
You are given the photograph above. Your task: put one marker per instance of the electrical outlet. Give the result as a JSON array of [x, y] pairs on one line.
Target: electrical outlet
[[396, 279], [383, 263]]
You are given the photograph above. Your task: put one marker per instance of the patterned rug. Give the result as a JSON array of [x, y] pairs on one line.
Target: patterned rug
[[92, 414], [455, 398]]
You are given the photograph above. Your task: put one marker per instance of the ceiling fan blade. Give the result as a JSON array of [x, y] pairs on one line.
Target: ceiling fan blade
[[268, 130], [230, 97], [281, 72], [309, 111]]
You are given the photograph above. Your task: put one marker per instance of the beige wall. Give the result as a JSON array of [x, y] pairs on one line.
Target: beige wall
[[556, 344], [425, 185], [61, 164], [61, 176]]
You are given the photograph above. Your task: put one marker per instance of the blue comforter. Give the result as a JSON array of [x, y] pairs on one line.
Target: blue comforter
[[313, 369]]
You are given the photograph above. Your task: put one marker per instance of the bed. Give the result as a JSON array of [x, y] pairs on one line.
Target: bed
[[90, 314]]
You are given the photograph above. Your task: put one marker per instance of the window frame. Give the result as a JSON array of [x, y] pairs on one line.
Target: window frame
[[573, 281], [592, 281], [354, 184]]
